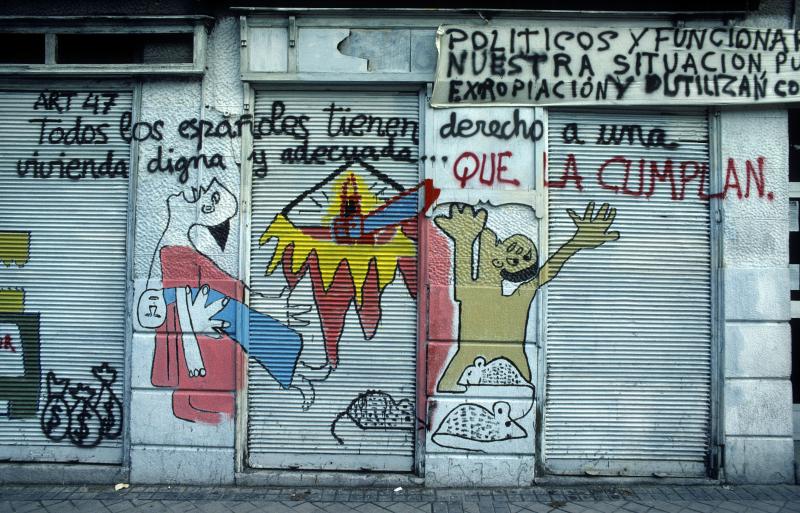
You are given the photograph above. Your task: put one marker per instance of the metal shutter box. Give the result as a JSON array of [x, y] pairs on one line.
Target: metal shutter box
[[628, 349], [375, 377], [63, 276]]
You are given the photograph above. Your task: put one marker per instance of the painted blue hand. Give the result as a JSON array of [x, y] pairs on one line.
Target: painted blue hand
[[274, 346]]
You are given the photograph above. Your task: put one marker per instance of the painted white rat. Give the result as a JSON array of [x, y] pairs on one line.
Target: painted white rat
[[499, 371], [474, 428]]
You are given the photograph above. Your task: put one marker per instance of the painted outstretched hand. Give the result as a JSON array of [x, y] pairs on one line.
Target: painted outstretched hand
[[202, 314], [593, 229], [196, 316], [462, 222]]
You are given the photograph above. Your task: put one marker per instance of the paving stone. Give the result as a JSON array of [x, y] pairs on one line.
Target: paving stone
[[792, 506], [23, 506], [573, 499], [179, 506], [702, 507], [536, 507], [666, 507], [470, 506], [408, 507], [455, 507], [573, 507], [607, 507], [636, 507], [769, 506], [485, 506], [308, 507]]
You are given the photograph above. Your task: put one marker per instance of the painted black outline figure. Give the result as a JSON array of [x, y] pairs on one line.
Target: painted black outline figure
[[206, 309], [471, 427], [496, 373], [377, 410], [309, 375], [79, 418], [332, 176], [349, 227], [55, 415], [513, 260], [110, 407], [86, 427]]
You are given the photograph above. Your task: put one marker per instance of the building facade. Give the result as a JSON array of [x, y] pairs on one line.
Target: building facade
[[281, 246]]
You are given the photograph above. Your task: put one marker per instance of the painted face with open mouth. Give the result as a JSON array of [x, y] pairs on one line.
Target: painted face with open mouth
[[215, 206], [516, 259]]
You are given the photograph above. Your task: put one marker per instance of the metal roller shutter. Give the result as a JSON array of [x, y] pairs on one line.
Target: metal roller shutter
[[63, 276], [628, 350], [360, 415]]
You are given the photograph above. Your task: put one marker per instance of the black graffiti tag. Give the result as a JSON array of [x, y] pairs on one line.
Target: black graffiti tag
[[83, 414]]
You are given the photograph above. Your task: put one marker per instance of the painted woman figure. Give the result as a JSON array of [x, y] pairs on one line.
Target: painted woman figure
[[197, 309]]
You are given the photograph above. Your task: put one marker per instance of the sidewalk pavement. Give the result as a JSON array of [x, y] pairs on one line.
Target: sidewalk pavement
[[573, 499]]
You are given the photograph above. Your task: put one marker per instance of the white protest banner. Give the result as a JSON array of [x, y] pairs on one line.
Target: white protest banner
[[539, 65], [487, 155]]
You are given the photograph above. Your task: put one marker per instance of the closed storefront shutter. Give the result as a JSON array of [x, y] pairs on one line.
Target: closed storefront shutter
[[628, 349], [64, 172], [333, 259]]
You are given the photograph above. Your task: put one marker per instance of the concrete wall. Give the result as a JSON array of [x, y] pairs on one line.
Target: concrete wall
[[757, 349], [757, 393], [170, 440]]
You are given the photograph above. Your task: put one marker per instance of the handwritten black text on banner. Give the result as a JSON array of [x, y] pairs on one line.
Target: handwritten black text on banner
[[521, 65]]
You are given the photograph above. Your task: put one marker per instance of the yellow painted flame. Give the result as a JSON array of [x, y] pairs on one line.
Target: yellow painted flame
[[330, 254]]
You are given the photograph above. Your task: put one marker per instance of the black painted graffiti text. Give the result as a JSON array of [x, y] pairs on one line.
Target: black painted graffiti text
[[556, 65], [502, 130], [359, 124], [61, 101], [181, 165], [79, 132], [73, 168]]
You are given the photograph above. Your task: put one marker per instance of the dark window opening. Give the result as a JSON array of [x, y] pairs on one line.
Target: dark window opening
[[125, 48], [795, 327], [794, 145], [794, 244], [22, 48]]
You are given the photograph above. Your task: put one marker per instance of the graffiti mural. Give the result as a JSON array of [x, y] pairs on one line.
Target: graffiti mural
[[375, 409], [514, 260], [83, 414], [472, 427], [195, 313], [336, 230], [352, 248], [498, 372], [20, 368], [497, 278]]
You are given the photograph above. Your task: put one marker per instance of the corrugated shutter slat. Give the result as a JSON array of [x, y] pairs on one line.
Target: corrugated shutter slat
[[281, 433], [628, 384], [75, 277]]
